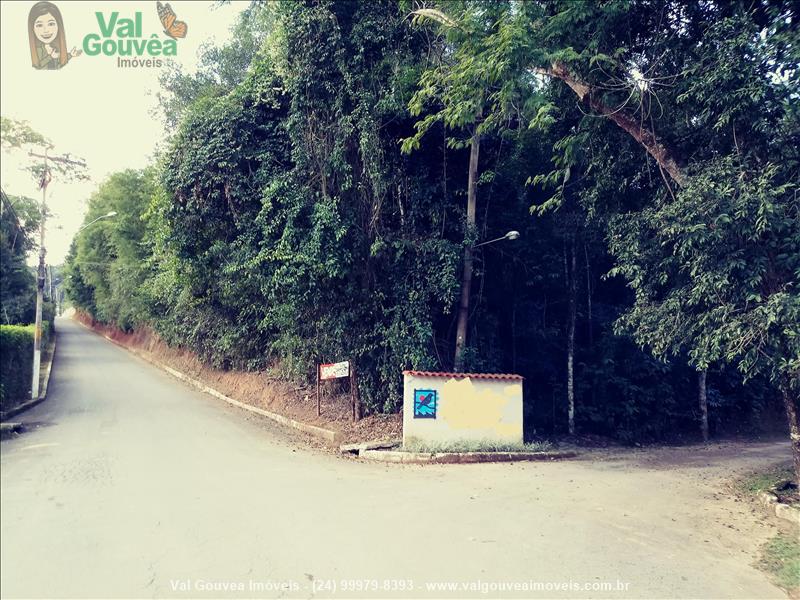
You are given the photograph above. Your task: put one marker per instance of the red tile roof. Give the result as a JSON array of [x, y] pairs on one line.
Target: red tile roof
[[501, 376]]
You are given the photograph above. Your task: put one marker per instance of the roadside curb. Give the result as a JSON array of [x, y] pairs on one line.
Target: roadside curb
[[397, 456], [359, 447], [782, 511], [42, 395], [326, 434]]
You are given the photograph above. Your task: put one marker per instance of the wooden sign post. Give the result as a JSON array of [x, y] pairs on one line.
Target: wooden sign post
[[354, 394], [340, 370]]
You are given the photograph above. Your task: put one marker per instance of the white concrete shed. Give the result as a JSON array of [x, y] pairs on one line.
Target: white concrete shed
[[450, 407]]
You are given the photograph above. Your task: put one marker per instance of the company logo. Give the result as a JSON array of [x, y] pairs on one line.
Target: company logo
[[172, 27], [46, 36], [118, 35]]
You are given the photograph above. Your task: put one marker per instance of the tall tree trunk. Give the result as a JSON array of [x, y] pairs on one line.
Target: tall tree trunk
[[663, 155], [588, 295], [790, 403], [466, 277], [702, 399], [572, 283]]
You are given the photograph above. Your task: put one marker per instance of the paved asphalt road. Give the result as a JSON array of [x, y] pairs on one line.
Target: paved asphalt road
[[134, 485]]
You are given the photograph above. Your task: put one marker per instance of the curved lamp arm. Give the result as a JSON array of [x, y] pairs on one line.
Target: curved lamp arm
[[113, 213], [511, 235]]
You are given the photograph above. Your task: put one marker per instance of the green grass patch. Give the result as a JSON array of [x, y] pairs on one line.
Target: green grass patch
[[765, 480], [782, 559], [414, 445]]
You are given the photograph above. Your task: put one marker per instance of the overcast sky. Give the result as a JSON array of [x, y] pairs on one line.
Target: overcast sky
[[91, 108]]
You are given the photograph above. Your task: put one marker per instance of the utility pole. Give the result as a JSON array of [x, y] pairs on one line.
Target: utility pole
[[37, 334], [40, 279], [466, 277]]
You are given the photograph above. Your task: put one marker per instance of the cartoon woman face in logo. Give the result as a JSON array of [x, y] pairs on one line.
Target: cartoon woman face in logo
[[46, 36]]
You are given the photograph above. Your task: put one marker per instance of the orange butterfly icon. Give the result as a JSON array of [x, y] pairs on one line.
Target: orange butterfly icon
[[172, 27]]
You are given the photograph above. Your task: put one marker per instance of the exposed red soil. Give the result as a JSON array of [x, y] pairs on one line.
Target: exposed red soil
[[258, 389]]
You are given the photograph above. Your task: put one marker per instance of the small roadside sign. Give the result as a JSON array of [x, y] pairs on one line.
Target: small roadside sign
[[339, 370], [334, 370]]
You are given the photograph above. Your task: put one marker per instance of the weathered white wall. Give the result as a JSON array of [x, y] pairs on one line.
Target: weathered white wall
[[468, 409]]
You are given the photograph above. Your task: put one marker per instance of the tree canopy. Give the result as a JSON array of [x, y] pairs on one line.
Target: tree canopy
[[336, 166], [19, 222]]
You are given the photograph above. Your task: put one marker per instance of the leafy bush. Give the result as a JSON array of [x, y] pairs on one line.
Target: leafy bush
[[48, 314], [16, 360], [16, 363], [19, 220]]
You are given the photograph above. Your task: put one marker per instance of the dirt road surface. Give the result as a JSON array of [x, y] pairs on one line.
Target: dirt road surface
[[131, 484]]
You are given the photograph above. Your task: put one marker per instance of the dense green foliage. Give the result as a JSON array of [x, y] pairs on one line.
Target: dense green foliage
[[16, 360], [107, 280], [19, 221], [311, 205], [16, 363], [716, 271]]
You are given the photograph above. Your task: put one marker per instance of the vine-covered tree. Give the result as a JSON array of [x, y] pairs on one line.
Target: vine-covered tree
[[709, 93], [285, 224], [19, 221]]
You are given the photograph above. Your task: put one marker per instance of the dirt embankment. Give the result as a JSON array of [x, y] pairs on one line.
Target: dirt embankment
[[258, 389]]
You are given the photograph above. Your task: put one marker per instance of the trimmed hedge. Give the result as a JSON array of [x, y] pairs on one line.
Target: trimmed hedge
[[16, 362]]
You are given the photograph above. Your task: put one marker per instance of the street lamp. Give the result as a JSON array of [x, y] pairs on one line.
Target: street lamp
[[113, 213], [511, 235]]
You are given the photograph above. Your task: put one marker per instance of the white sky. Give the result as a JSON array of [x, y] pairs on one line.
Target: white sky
[[90, 108]]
